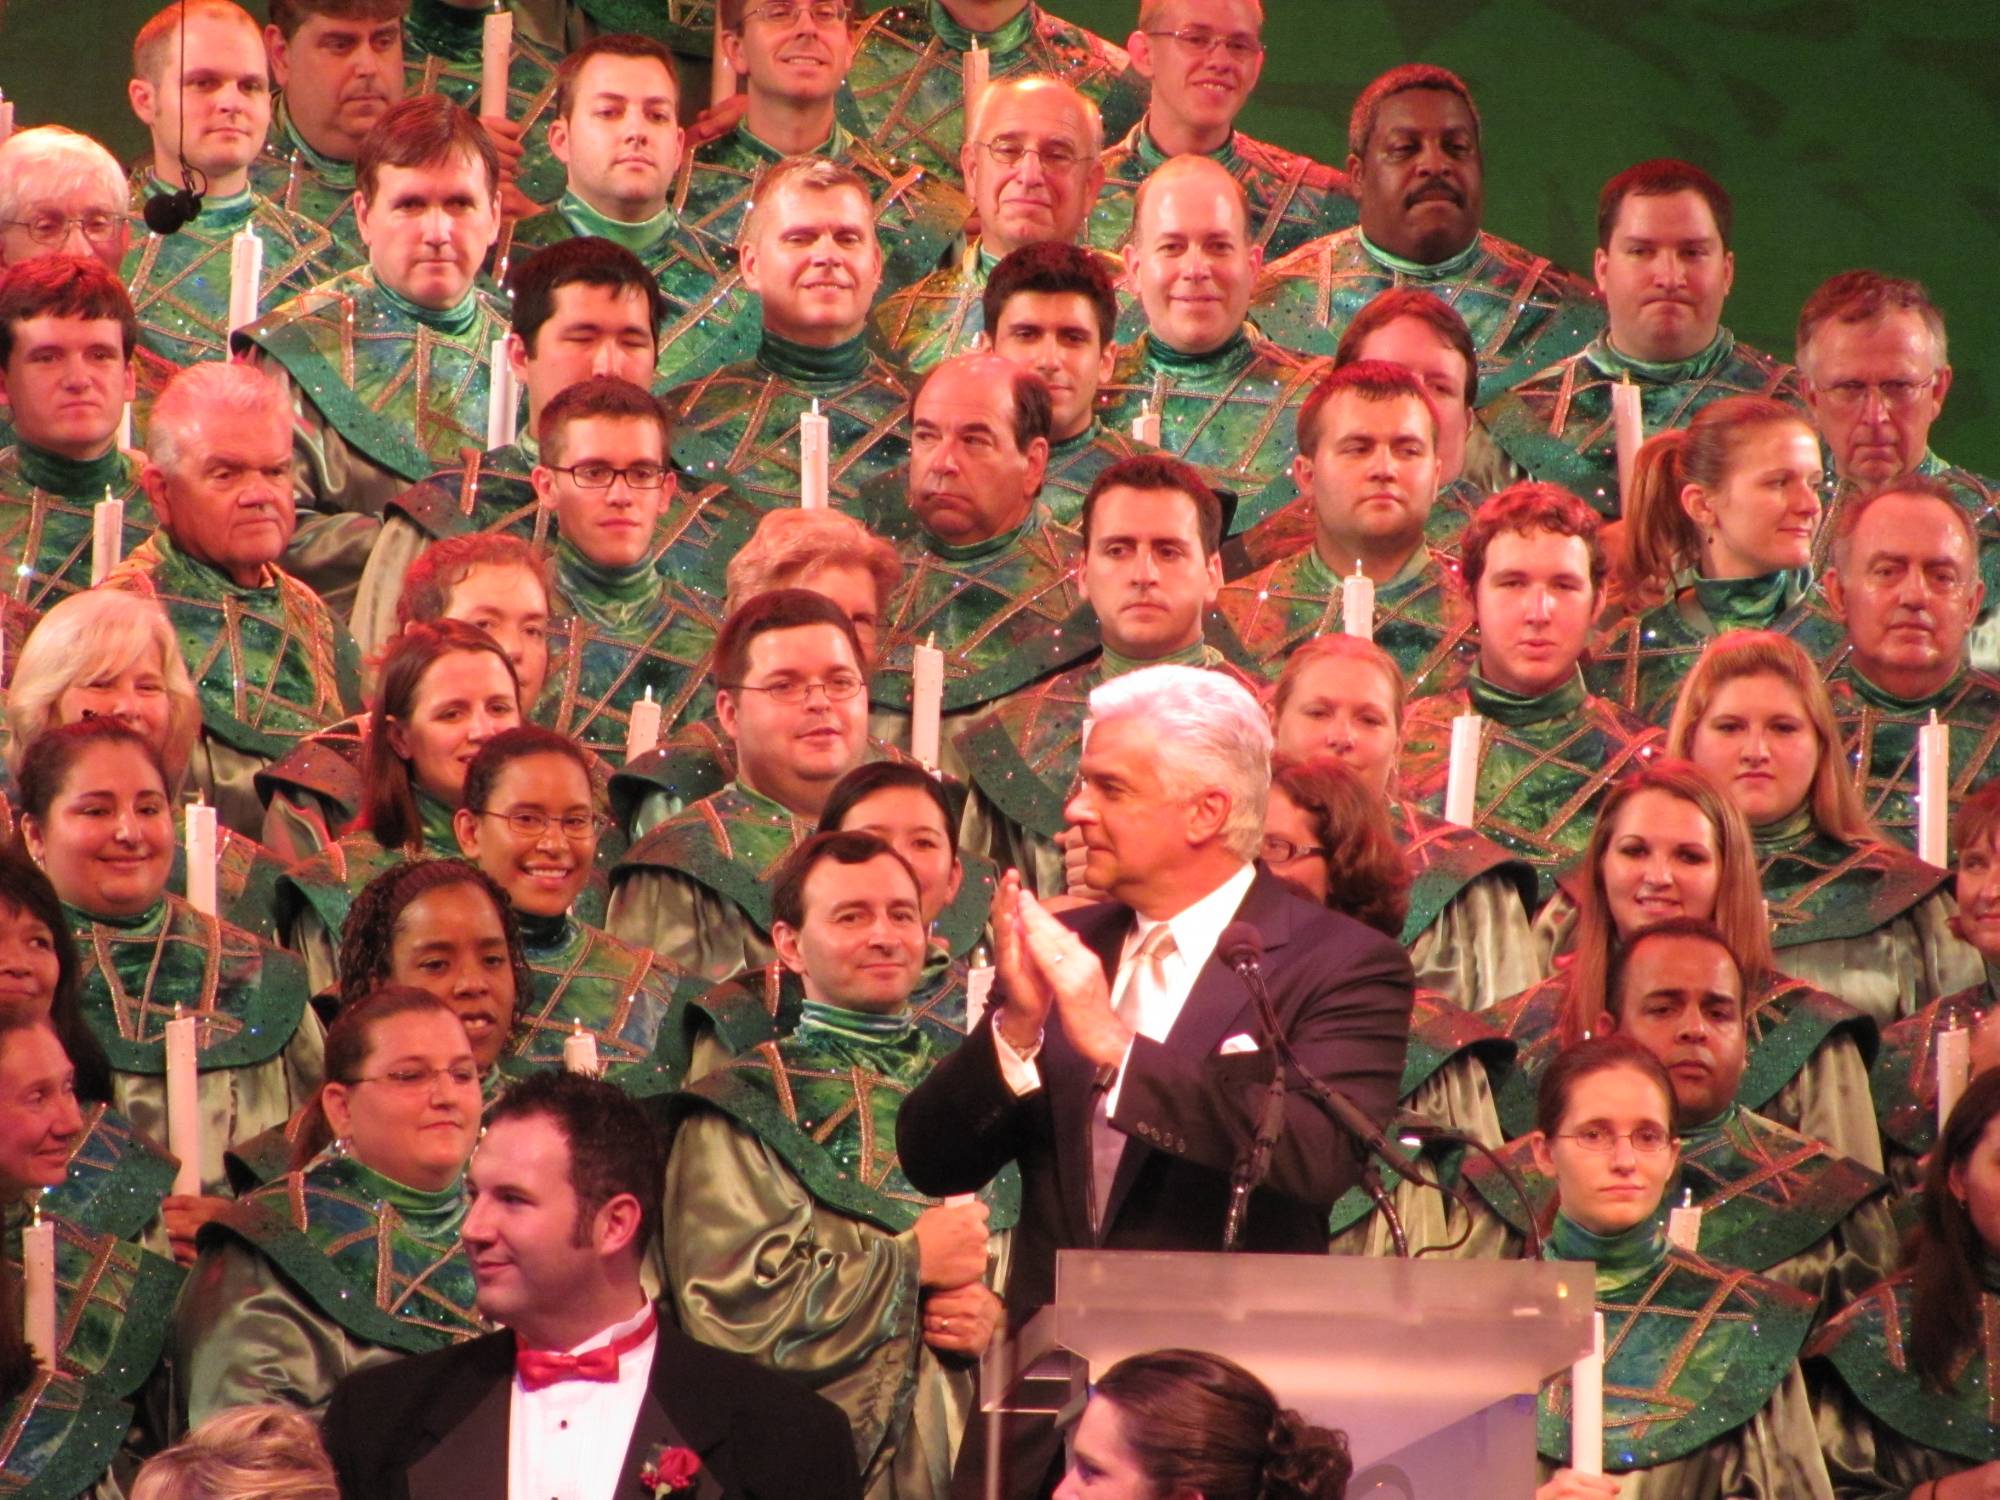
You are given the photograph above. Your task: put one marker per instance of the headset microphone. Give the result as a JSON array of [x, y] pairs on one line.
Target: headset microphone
[[172, 211]]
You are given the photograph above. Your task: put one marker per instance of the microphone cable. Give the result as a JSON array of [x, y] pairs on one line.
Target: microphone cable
[[171, 211]]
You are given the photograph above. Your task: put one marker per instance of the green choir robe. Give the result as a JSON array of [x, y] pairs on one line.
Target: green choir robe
[[1423, 618], [1544, 762], [1702, 1391], [687, 26], [793, 1239], [1885, 1431], [316, 1275], [59, 1438], [1904, 1079], [943, 313], [46, 515], [1281, 523], [116, 1177], [180, 283], [316, 188], [905, 94], [442, 44], [260, 1047], [1525, 313], [1292, 198], [1467, 924], [1557, 425], [1879, 733]]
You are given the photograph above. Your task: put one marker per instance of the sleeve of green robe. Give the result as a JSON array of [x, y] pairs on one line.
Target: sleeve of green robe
[[297, 824], [1866, 1459], [374, 618], [228, 782], [991, 834], [313, 943], [1828, 1100], [236, 1103], [686, 923], [1554, 924], [1480, 949], [757, 1267], [1897, 969]]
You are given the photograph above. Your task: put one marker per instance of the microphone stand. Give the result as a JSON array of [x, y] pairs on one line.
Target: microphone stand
[[1420, 1129], [1256, 1158]]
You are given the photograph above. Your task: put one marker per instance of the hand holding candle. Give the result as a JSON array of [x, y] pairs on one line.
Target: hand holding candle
[[496, 56], [926, 702], [814, 451], [184, 1103]]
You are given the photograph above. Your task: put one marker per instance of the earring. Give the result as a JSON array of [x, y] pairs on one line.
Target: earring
[[340, 1146]]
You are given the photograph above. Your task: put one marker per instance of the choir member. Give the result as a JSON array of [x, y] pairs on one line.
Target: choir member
[[444, 44], [61, 193]]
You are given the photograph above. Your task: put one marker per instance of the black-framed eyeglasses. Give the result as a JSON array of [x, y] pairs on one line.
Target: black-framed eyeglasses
[[1056, 158], [464, 1074], [1647, 1140], [1282, 851], [596, 476], [787, 12], [838, 688], [576, 827], [1201, 41], [54, 228]]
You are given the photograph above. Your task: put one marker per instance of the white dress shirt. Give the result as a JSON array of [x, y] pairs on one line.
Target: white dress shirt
[[567, 1441], [1197, 928]]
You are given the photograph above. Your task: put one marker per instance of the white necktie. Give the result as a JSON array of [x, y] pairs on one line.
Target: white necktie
[[1144, 992]]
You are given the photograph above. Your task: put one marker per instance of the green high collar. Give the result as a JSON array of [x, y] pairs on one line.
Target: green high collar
[[1786, 834], [1219, 363], [974, 551], [1888, 702], [451, 321], [434, 819], [1442, 270], [1009, 39], [638, 238], [1061, 453], [1515, 710], [1110, 664], [218, 216], [430, 1216], [615, 595], [1750, 603], [1609, 360], [853, 1026], [805, 365], [544, 936], [837, 143], [147, 922], [1621, 1259], [1152, 158], [336, 173], [73, 479], [195, 579], [1695, 1136], [441, 30]]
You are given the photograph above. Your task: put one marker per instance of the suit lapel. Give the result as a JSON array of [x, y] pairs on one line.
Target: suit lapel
[[679, 1412], [471, 1427]]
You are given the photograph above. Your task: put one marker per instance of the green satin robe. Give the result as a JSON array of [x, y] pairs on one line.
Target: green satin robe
[[300, 181], [1467, 924], [46, 516]]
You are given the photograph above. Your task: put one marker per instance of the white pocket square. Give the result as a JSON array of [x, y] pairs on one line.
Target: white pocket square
[[1241, 1042]]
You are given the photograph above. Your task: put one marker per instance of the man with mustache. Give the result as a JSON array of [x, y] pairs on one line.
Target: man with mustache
[[1664, 267], [1225, 397], [809, 253], [269, 662], [1203, 59], [906, 93], [201, 85], [1905, 582], [339, 66], [1032, 170], [387, 365], [1414, 155]]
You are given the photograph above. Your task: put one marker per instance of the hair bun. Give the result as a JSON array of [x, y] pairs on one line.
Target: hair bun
[[1304, 1462]]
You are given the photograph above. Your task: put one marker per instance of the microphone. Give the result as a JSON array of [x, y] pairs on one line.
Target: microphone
[[1241, 946], [171, 212]]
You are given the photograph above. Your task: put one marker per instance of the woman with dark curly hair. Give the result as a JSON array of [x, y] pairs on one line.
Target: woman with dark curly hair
[[1181, 1422]]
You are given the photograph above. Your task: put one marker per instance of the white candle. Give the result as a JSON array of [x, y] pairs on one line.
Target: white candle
[[814, 445], [978, 990], [1146, 426], [978, 69], [1934, 793], [1357, 605], [642, 728], [1684, 1224], [1629, 423], [1586, 1413], [1954, 1070], [926, 702], [201, 858], [1461, 787], [580, 1052], [496, 54], [246, 278], [503, 398], [107, 536], [125, 426], [38, 1285], [183, 1103]]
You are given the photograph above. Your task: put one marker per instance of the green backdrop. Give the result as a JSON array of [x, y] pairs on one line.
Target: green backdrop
[[1851, 132]]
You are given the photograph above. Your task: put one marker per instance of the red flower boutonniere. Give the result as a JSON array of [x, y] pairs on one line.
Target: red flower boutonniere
[[670, 1471]]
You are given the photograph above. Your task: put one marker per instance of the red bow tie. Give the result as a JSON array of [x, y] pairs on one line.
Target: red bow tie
[[540, 1367]]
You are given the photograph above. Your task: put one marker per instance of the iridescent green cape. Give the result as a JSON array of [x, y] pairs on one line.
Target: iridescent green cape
[[441, 48], [316, 188], [1280, 523], [113, 1303], [117, 1177], [1443, 859], [922, 324], [1879, 733], [58, 1438], [46, 514], [1904, 1076], [1819, 888]]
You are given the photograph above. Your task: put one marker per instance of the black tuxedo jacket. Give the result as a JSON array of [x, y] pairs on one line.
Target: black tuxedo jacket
[[435, 1427], [1342, 993]]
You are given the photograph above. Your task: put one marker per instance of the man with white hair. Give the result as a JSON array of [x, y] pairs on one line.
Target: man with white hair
[[1120, 1024], [267, 659]]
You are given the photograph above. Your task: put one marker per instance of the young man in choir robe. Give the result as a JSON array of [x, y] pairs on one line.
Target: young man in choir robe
[[1414, 154], [1225, 396], [791, 693], [889, 1304], [444, 45], [1877, 369], [67, 334], [387, 365], [269, 662], [201, 85], [1905, 582], [1534, 569], [1665, 268], [1031, 171], [1203, 59], [338, 66], [906, 92], [810, 255], [1151, 531], [565, 1188], [1368, 460]]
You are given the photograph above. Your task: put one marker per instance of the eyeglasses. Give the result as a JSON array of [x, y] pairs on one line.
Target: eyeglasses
[[1647, 1140], [787, 13], [576, 827], [412, 1080], [1013, 153], [1199, 40], [838, 688], [53, 228], [594, 476], [1279, 851], [1852, 395]]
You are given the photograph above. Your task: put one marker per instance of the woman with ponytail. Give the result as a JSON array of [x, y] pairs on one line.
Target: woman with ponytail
[[1718, 536], [1179, 1422]]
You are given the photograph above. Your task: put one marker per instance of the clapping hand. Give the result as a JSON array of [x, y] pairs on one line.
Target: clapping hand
[[1074, 978]]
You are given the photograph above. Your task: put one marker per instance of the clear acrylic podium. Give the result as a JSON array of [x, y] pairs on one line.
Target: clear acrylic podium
[[1429, 1366]]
